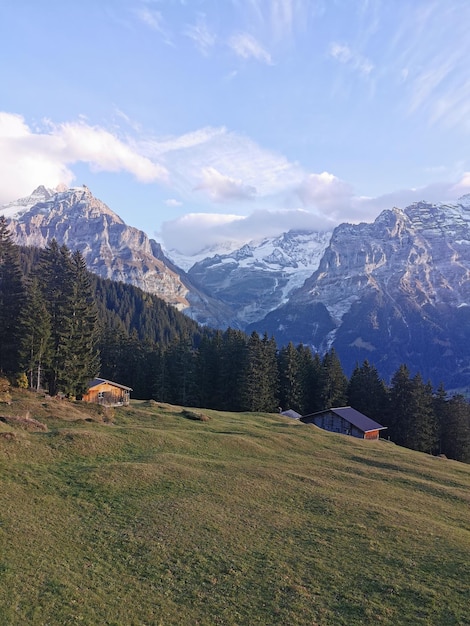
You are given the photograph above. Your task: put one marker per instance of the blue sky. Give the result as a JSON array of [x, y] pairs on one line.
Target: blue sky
[[199, 120]]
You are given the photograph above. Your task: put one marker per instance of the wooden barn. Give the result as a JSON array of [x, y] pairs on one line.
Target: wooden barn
[[107, 393], [345, 420]]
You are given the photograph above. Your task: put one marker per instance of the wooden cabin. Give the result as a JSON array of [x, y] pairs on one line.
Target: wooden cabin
[[345, 420], [107, 393]]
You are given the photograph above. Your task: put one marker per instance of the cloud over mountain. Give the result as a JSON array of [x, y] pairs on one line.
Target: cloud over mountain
[[31, 157]]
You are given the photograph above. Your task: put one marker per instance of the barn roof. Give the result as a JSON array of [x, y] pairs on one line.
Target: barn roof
[[352, 416], [100, 381], [291, 413]]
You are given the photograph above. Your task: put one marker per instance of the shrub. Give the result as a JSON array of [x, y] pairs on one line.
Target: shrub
[[21, 381]]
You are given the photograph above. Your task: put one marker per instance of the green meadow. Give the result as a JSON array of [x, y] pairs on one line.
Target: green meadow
[[156, 515]]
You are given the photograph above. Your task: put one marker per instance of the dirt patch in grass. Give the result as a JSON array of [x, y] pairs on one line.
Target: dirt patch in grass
[[24, 422], [195, 416]]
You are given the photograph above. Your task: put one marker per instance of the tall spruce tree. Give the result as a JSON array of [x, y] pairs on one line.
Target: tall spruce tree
[[423, 426], [312, 381], [12, 294], [208, 370], [259, 390], [35, 335], [66, 286], [334, 381], [455, 428], [233, 363], [83, 356], [398, 405], [290, 379], [181, 368], [367, 392], [411, 414]]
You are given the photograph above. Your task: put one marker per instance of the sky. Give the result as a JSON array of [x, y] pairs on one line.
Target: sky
[[203, 121]]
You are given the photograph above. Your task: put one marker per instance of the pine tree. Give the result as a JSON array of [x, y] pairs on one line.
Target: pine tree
[[290, 379], [367, 392], [66, 286], [233, 363], [398, 405], [208, 370], [181, 368], [334, 381], [252, 392], [440, 411], [311, 372], [35, 335], [271, 379], [259, 390], [423, 423], [412, 417], [54, 275], [83, 358], [12, 293], [159, 389], [455, 429]]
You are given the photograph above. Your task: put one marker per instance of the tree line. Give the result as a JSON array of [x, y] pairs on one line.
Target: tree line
[[60, 326]]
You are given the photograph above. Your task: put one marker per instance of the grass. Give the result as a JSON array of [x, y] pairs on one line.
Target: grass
[[151, 515]]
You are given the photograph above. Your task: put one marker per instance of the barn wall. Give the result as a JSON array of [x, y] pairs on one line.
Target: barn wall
[[336, 424], [106, 394]]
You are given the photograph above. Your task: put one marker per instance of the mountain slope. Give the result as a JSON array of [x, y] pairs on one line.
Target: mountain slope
[[111, 249], [240, 519], [258, 277], [397, 290]]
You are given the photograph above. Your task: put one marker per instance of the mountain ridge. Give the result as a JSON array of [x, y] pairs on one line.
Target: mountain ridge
[[394, 290]]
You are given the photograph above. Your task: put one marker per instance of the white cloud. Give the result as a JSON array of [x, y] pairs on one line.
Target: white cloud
[[226, 164], [224, 188], [172, 202], [463, 186], [196, 232], [247, 47], [435, 76], [345, 55], [29, 158], [201, 35], [105, 152], [367, 209], [159, 147], [331, 203], [326, 192]]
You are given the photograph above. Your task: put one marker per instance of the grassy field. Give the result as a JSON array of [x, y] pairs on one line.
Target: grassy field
[[151, 516]]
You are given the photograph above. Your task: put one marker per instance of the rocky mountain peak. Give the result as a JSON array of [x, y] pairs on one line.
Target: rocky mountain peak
[[42, 192], [111, 249], [396, 290]]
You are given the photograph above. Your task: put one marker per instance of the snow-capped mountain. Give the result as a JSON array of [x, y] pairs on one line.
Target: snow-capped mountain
[[260, 276], [229, 289], [18, 207], [111, 249], [394, 291]]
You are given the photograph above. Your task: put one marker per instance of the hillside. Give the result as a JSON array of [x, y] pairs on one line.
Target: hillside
[[142, 516]]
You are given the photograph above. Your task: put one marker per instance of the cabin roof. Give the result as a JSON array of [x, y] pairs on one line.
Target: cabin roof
[[99, 381], [291, 413], [352, 416]]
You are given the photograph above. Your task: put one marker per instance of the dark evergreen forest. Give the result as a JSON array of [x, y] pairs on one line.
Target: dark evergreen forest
[[60, 326]]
